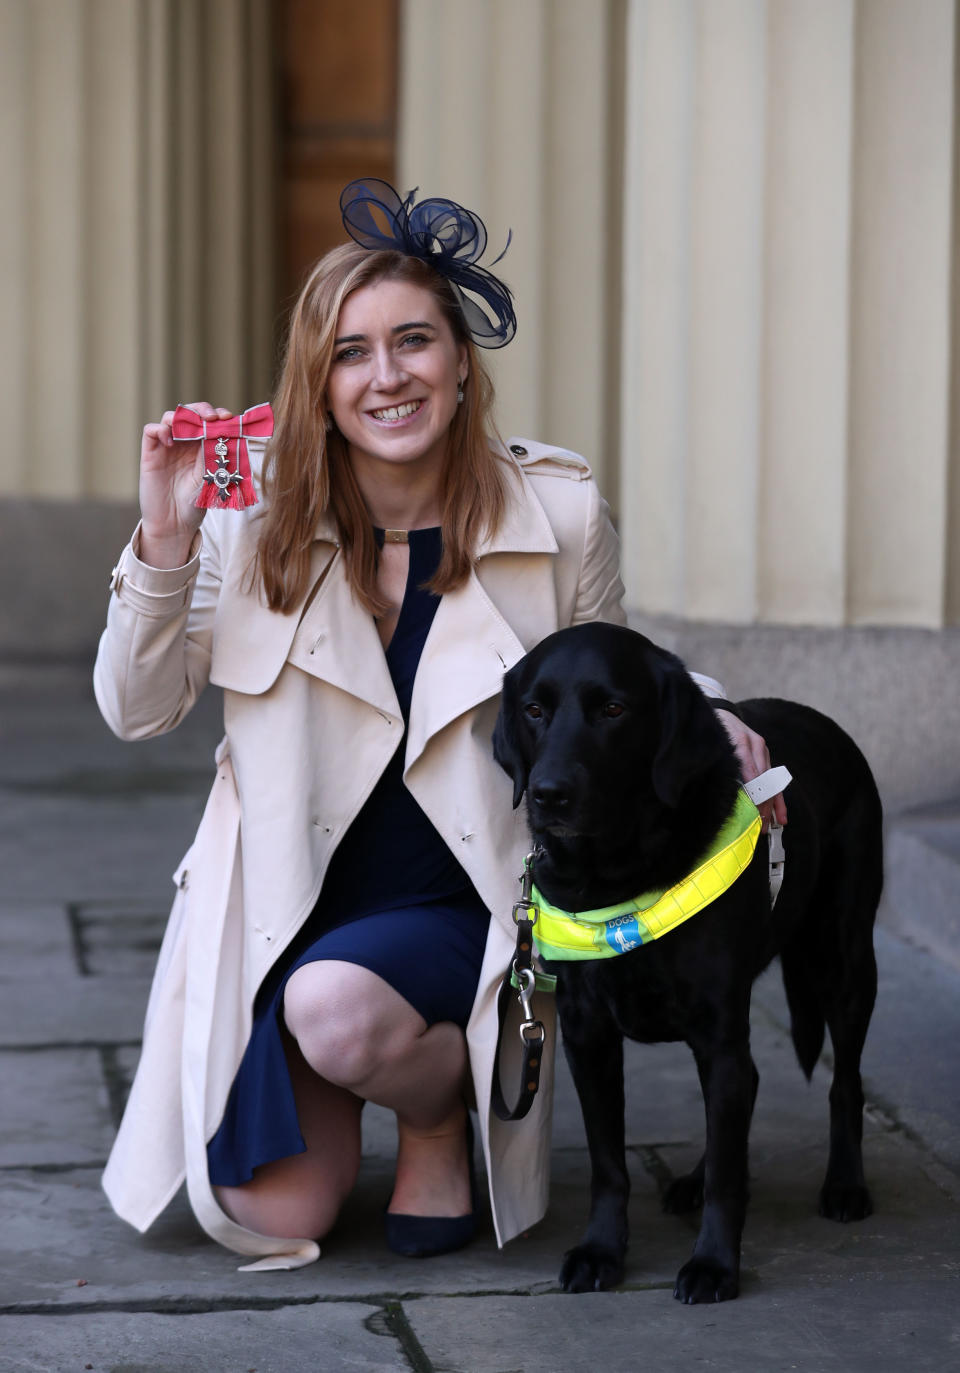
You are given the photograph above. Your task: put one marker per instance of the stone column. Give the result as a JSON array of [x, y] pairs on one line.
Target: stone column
[[902, 258], [788, 249], [506, 107], [138, 229]]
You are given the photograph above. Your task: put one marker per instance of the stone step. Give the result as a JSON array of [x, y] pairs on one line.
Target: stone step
[[923, 879]]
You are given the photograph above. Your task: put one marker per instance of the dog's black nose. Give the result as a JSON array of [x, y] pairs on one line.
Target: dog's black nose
[[551, 796]]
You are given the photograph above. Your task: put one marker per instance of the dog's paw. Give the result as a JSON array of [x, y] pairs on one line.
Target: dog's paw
[[705, 1280], [845, 1201], [590, 1268], [684, 1194]]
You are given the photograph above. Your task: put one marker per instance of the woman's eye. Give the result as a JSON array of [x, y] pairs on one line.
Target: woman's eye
[[415, 339], [347, 355], [533, 711], [612, 710]]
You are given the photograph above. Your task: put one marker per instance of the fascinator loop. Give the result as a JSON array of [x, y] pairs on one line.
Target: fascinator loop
[[444, 235]]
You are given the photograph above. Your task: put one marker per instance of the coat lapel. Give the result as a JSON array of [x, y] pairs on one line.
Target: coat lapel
[[251, 642], [471, 644], [338, 641], [469, 648], [333, 638]]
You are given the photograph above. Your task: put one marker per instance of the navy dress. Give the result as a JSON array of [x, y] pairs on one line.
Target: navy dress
[[394, 900]]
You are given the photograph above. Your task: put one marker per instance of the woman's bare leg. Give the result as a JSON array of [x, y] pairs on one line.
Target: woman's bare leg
[[356, 1031], [300, 1196]]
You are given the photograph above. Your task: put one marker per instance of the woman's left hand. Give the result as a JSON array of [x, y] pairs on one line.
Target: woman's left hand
[[751, 750]]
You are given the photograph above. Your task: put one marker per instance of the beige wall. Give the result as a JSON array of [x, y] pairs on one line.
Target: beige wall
[[507, 106], [767, 394], [735, 228], [136, 235]]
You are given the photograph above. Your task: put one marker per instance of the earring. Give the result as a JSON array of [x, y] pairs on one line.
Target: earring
[[328, 423], [459, 390]]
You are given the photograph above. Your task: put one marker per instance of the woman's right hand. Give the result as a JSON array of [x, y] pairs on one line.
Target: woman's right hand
[[171, 473]]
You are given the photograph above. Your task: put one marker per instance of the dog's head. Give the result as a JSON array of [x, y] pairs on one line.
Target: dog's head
[[596, 720]]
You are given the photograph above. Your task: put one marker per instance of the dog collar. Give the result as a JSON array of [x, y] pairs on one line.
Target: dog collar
[[613, 930]]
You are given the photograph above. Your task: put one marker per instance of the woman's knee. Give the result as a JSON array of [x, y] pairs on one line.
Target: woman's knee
[[347, 1052], [348, 1040], [290, 1202], [289, 1215]]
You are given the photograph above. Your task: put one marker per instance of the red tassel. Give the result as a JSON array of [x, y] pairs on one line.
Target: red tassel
[[227, 484]]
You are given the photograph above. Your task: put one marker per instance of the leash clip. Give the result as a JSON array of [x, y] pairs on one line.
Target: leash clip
[[526, 880], [531, 910], [526, 908], [531, 1030]]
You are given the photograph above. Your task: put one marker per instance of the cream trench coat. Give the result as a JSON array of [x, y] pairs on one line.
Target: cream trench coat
[[311, 720]]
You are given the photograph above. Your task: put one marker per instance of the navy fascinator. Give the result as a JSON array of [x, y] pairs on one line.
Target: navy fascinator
[[447, 238]]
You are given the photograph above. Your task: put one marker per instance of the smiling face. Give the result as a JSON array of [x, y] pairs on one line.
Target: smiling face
[[392, 388]]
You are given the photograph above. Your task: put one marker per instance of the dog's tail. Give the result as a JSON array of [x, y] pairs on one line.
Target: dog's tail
[[805, 1000], [829, 969]]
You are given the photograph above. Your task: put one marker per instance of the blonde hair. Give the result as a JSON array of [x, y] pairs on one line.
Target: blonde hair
[[307, 471]]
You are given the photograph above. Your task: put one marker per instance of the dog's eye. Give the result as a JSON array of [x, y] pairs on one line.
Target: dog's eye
[[533, 711], [612, 710]]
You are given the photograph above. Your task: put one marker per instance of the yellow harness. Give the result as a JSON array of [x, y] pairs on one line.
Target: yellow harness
[[613, 930]]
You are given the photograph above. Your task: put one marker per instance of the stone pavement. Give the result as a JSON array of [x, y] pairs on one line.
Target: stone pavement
[[90, 830]]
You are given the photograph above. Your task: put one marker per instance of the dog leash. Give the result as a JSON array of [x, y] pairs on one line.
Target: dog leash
[[522, 978]]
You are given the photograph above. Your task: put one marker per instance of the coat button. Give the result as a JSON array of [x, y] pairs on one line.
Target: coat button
[[518, 450]]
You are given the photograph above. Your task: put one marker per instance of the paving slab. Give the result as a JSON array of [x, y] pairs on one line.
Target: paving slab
[[323, 1337], [36, 941], [923, 868], [59, 1231], [85, 816], [78, 1010], [118, 938], [120, 1064], [824, 1329], [52, 736], [54, 848], [54, 1107], [77, 972]]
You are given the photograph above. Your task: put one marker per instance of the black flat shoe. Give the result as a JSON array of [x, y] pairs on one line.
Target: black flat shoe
[[421, 1237]]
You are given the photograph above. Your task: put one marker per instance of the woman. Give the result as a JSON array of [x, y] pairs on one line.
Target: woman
[[343, 919]]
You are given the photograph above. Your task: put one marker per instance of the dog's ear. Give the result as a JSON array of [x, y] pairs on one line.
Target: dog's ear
[[506, 742], [692, 740]]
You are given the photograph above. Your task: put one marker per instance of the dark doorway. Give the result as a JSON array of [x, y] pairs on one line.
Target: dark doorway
[[338, 114]]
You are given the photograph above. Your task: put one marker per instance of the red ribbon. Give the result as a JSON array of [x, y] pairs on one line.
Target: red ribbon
[[227, 483]]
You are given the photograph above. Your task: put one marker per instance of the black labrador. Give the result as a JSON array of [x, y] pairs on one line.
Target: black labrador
[[629, 775]]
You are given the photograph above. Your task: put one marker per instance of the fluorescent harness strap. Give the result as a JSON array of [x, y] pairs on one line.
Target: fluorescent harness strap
[[612, 930]]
